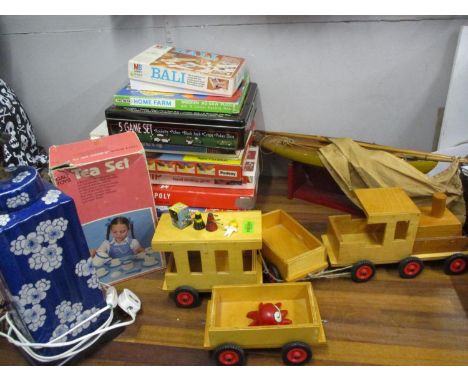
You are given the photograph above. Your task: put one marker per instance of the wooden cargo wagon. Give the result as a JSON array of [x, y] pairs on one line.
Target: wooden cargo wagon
[[227, 330], [290, 250]]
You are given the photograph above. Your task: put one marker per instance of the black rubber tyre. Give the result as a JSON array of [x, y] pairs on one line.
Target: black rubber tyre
[[186, 297], [410, 267], [229, 355], [362, 271], [456, 264], [296, 353], [273, 275]]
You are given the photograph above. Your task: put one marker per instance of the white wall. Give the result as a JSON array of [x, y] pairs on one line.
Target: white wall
[[454, 129], [379, 79]]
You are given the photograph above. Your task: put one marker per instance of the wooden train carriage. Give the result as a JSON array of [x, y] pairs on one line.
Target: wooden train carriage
[[198, 259], [290, 250], [227, 329]]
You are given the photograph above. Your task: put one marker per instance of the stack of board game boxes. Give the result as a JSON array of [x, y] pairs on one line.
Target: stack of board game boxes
[[194, 113]]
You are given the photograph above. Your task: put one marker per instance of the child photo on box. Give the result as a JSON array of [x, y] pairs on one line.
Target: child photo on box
[[120, 243], [121, 246]]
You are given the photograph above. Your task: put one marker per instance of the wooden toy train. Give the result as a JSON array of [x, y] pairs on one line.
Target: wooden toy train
[[394, 230], [275, 245]]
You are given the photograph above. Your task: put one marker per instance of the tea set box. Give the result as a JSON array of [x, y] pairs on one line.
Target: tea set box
[[108, 179]]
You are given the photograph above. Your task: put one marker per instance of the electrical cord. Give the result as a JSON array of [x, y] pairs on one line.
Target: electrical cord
[[89, 345], [69, 353], [81, 341], [52, 343], [127, 301]]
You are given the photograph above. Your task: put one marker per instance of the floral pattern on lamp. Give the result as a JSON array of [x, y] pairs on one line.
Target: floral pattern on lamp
[[46, 274]]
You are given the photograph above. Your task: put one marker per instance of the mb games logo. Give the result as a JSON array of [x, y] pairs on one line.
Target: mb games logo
[[137, 69]]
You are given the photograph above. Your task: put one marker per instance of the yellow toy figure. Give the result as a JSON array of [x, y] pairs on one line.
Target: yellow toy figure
[[231, 228]]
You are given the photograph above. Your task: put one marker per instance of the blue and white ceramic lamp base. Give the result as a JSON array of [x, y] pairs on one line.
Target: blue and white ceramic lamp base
[[46, 274]]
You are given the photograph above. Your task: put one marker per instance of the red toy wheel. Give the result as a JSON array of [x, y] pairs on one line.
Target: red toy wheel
[[296, 353], [229, 355], [410, 267], [186, 297], [362, 271], [456, 264]]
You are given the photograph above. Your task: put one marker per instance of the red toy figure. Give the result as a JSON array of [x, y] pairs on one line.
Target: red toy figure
[[211, 225], [269, 314]]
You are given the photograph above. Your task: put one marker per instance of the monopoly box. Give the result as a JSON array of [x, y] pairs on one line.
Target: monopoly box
[[220, 198], [128, 97], [163, 130], [108, 179], [188, 69]]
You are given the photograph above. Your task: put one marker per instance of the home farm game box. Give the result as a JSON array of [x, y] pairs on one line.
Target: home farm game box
[[128, 97], [170, 130]]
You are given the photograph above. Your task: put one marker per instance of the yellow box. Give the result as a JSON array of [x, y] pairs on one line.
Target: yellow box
[[226, 320], [290, 247]]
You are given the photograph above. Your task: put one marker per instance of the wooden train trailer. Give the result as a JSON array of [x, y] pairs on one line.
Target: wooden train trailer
[[229, 328]]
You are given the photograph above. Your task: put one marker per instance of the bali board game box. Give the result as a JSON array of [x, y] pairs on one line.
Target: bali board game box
[[182, 130], [128, 97], [206, 168], [189, 69], [108, 179]]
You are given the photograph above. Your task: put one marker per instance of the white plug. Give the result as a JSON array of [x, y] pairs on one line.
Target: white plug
[[111, 297], [129, 303]]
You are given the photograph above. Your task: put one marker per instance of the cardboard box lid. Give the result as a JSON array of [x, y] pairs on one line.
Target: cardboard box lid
[[94, 150]]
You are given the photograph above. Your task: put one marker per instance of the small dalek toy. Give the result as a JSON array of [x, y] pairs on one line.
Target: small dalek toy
[[180, 215]]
